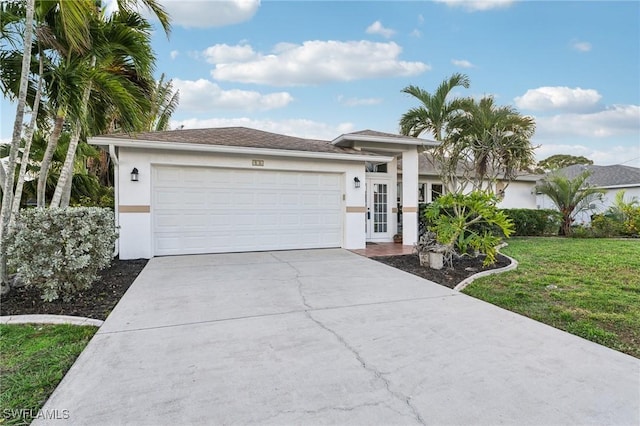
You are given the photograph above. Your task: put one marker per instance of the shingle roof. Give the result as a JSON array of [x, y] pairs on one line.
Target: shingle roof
[[427, 167], [603, 176], [239, 137]]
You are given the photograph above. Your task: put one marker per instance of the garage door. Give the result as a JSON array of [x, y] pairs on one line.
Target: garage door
[[215, 210]]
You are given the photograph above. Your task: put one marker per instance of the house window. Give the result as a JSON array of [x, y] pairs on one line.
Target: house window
[[436, 191], [376, 167], [422, 192]]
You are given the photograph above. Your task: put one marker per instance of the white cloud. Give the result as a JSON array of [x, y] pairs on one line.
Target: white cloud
[[174, 54], [210, 13], [581, 46], [462, 63], [617, 120], [559, 98], [420, 19], [203, 95], [352, 102], [416, 33], [302, 128], [477, 5], [201, 13], [315, 62], [223, 53], [377, 28]]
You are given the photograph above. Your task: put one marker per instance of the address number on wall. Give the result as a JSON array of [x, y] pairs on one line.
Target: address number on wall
[[257, 163]]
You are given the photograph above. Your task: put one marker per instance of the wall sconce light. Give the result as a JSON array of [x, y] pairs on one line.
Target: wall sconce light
[[356, 182], [134, 175]]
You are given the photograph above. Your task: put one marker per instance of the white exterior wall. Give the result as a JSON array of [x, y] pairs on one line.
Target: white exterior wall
[[134, 198], [519, 195]]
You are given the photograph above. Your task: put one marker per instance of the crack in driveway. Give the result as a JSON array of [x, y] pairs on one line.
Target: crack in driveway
[[363, 363], [377, 374]]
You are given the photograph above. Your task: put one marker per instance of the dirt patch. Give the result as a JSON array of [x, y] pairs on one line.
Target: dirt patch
[[96, 303], [448, 277]]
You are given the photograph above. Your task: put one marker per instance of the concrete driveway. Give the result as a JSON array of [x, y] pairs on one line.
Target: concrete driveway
[[330, 337]]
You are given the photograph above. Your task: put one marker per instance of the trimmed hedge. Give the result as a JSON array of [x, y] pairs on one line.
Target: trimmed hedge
[[60, 251], [534, 222]]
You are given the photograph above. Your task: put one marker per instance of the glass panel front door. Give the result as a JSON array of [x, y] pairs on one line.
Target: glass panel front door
[[377, 210]]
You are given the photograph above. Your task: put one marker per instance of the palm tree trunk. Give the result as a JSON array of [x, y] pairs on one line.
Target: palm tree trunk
[[48, 158], [66, 193], [3, 177], [24, 160], [7, 196], [67, 169]]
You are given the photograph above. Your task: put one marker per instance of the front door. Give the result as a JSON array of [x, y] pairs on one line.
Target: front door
[[378, 218]]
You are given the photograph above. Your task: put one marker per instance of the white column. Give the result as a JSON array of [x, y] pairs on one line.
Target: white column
[[410, 196]]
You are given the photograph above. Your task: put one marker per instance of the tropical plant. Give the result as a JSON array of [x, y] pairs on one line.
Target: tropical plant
[[622, 218], [64, 34], [480, 142], [487, 142], [433, 115], [115, 77], [163, 103], [465, 223], [570, 196], [435, 110]]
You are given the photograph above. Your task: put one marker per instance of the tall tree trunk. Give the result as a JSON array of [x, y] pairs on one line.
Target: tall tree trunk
[[7, 196], [48, 158], [3, 177], [66, 193], [24, 160], [67, 168]]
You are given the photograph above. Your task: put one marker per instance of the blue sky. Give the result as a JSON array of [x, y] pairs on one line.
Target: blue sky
[[318, 69]]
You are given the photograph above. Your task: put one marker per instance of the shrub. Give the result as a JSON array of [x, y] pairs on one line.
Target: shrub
[[607, 225], [60, 251], [468, 223], [533, 222], [581, 231]]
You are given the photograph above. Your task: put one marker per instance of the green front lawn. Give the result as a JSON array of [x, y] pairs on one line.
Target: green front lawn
[[588, 287], [33, 360]]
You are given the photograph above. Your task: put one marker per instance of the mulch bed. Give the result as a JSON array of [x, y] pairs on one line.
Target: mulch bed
[[448, 277], [96, 303], [114, 281]]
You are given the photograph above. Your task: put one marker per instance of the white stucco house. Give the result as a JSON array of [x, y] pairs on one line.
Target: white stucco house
[[517, 194], [238, 189], [609, 179]]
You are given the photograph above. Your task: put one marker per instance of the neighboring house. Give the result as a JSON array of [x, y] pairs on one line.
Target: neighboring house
[[238, 189], [610, 179]]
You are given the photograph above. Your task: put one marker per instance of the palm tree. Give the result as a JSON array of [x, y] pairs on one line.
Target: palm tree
[[116, 76], [494, 140], [433, 116], [435, 110], [570, 196], [164, 101]]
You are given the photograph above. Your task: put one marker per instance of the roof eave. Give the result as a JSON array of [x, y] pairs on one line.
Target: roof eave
[[226, 149], [343, 140]]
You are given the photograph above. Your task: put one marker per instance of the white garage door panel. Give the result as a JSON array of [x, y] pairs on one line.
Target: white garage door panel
[[209, 210]]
